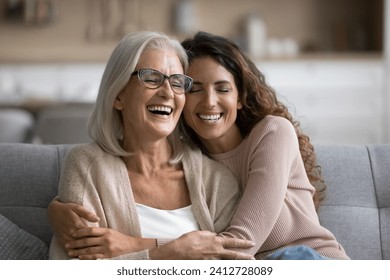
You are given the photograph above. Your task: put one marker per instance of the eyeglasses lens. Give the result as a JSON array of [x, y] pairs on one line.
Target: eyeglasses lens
[[154, 79]]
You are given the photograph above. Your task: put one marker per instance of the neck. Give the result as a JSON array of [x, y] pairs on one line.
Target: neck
[[225, 143], [148, 158]]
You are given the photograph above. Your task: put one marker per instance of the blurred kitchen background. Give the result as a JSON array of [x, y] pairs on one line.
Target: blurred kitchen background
[[327, 60]]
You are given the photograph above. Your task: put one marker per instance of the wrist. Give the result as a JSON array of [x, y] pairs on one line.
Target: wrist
[[155, 254], [145, 243], [167, 251]]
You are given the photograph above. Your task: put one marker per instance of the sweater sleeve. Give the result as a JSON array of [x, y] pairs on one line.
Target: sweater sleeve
[[274, 150], [223, 200]]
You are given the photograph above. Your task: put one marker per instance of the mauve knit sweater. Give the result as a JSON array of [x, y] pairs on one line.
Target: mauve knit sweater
[[277, 208]]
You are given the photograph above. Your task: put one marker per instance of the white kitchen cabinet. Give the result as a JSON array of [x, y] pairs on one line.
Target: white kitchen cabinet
[[337, 101]]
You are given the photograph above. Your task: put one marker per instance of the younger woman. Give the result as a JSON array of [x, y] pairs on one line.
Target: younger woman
[[237, 120]]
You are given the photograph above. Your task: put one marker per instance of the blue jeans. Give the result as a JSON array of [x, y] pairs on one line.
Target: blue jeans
[[299, 252]]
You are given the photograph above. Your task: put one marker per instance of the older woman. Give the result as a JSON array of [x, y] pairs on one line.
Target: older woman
[[138, 176]]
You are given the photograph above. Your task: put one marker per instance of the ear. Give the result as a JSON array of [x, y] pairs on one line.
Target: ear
[[118, 103], [239, 105]]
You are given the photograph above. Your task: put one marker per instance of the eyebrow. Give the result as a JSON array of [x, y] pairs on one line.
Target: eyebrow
[[222, 82], [216, 83]]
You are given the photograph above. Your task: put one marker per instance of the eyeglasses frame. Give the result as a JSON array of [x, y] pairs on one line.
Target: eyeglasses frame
[[166, 77]]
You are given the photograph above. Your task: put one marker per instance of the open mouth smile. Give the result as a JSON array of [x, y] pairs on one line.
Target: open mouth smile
[[210, 117], [160, 110]]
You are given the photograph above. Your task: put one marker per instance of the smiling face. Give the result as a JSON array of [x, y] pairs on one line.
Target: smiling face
[[151, 114], [212, 104]]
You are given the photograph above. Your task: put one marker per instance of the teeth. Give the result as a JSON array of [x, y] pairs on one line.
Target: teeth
[[160, 109], [210, 117]]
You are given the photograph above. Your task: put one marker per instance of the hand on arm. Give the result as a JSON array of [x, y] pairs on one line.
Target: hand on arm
[[202, 245], [85, 242], [99, 243], [66, 218]]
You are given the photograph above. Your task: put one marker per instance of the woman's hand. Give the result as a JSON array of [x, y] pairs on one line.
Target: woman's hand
[[203, 245], [98, 243], [66, 218]]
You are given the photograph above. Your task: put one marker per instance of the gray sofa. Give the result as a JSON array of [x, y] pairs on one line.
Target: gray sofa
[[356, 210]]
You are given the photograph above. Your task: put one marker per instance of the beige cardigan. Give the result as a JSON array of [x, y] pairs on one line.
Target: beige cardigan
[[100, 182]]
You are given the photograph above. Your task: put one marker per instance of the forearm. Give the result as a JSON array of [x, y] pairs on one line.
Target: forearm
[[145, 244], [201, 245], [165, 251], [161, 253], [138, 251]]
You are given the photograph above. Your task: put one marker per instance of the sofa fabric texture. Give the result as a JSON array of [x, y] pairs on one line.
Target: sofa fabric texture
[[17, 244], [356, 209], [29, 177], [357, 206]]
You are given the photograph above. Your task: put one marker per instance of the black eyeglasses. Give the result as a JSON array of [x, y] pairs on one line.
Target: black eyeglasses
[[153, 79]]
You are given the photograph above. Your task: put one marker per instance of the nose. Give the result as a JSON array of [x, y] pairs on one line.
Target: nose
[[210, 99], [165, 90]]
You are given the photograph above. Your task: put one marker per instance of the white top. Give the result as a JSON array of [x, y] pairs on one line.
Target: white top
[[157, 223]]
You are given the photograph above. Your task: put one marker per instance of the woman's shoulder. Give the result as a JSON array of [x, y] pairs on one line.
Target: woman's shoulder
[[272, 124], [86, 153], [271, 130]]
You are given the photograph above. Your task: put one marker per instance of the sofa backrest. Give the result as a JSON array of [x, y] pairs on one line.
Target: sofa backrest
[[356, 209], [29, 177], [357, 206]]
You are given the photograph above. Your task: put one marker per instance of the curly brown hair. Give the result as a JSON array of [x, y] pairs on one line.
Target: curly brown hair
[[258, 99]]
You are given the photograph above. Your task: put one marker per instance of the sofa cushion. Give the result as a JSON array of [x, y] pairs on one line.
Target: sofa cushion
[[17, 244]]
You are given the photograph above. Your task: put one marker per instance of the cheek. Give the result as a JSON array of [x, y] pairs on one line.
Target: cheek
[[186, 112], [234, 103], [188, 108], [180, 102]]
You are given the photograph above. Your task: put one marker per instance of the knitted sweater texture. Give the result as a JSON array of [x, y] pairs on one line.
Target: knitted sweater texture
[[99, 181], [276, 209]]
